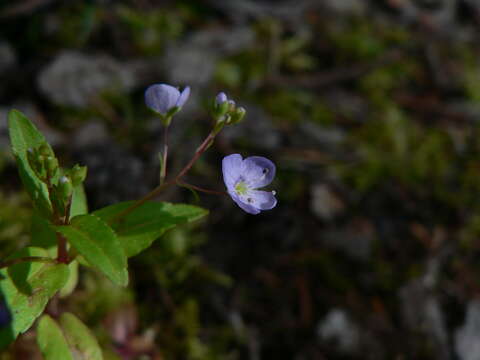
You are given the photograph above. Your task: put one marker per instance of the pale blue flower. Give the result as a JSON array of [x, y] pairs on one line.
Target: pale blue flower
[[221, 98], [163, 98], [244, 176]]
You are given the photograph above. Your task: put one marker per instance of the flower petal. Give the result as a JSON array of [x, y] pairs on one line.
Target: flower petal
[[243, 205], [221, 98], [182, 99], [161, 97], [258, 171], [263, 200], [232, 168]]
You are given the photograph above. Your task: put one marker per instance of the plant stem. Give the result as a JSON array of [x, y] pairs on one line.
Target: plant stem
[[163, 169], [8, 263], [198, 188], [62, 253], [200, 150]]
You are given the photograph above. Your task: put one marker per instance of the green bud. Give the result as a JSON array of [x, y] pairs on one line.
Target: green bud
[[51, 164], [237, 115], [40, 170], [231, 105], [32, 158], [221, 109], [45, 150], [78, 174], [65, 188]]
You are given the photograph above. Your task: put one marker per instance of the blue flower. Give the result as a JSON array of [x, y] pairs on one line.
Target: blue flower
[[221, 98], [244, 176], [164, 98]]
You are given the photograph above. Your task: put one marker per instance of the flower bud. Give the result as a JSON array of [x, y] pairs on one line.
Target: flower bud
[[45, 150], [221, 98], [32, 158], [51, 165], [237, 115], [221, 106], [65, 187], [231, 105], [78, 174]]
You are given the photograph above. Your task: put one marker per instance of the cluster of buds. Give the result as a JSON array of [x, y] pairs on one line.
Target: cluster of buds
[[62, 191], [60, 182], [226, 112], [43, 162]]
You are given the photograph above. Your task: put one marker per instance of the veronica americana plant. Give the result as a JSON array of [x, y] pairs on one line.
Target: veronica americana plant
[[67, 234]]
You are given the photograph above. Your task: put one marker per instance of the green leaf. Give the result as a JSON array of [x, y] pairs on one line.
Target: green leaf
[[26, 289], [98, 244], [137, 230], [23, 136], [42, 233], [52, 341], [80, 339], [72, 281], [79, 202]]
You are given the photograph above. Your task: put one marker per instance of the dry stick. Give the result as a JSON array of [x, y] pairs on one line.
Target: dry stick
[[200, 150], [8, 263]]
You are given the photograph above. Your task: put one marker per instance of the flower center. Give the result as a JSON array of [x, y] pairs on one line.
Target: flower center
[[241, 188]]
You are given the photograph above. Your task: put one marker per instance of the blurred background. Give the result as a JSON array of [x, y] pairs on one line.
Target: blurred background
[[370, 110]]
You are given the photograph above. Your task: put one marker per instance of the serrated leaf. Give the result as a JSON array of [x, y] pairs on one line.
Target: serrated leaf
[[99, 245], [23, 136], [80, 339], [26, 289], [137, 230], [51, 340]]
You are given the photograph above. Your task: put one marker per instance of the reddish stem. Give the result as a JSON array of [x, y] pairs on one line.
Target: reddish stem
[[200, 150], [62, 253]]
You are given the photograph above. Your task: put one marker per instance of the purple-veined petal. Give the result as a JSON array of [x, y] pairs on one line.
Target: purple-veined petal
[[221, 98], [263, 200], [258, 171], [161, 97], [182, 99], [232, 168], [245, 206]]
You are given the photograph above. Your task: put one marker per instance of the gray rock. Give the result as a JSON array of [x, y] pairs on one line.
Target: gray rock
[[194, 61], [75, 79], [339, 328], [467, 337], [422, 311], [325, 203]]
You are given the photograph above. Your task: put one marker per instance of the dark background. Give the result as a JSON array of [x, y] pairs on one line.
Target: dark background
[[370, 110]]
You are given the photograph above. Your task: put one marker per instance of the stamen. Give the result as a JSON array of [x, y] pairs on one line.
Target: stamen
[[274, 192], [250, 200]]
